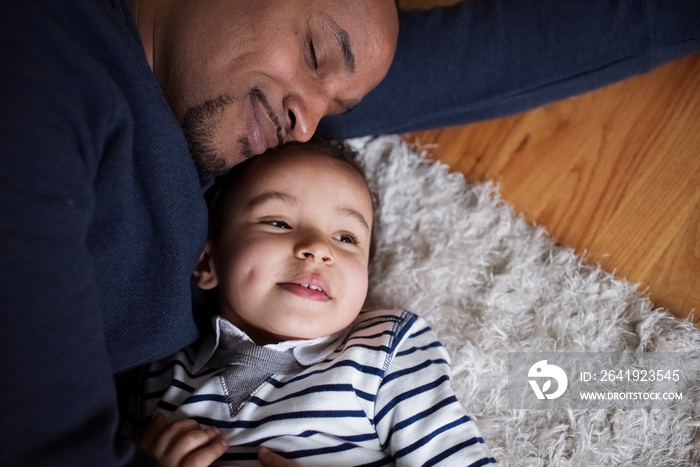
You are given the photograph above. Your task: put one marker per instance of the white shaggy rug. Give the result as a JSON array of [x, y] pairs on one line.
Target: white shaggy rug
[[489, 283]]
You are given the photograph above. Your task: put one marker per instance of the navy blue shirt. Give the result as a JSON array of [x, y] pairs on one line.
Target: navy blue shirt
[[101, 212], [102, 220]]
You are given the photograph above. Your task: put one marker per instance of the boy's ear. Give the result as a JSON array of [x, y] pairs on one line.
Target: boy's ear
[[204, 274]]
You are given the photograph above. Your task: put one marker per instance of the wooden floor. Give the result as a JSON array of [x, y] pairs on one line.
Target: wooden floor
[[614, 173]]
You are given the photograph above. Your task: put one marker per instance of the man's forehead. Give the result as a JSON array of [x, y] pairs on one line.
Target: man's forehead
[[353, 17], [363, 35]]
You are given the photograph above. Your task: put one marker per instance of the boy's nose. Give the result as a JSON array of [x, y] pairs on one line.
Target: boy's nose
[[314, 250]]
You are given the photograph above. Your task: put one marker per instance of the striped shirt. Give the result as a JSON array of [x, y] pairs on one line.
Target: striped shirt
[[378, 393]]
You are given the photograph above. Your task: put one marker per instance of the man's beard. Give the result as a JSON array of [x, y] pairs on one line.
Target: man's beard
[[200, 125]]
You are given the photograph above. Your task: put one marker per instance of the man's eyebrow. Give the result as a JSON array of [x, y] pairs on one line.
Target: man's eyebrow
[[350, 212], [271, 196], [343, 40]]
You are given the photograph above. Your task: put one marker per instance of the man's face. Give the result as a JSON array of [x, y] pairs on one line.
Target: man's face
[[243, 76], [291, 256]]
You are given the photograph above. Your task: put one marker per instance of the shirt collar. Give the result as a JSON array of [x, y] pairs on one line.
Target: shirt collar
[[227, 335]]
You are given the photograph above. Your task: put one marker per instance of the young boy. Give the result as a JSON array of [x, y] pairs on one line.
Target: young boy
[[292, 363]]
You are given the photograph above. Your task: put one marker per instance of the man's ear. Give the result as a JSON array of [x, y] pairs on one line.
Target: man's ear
[[204, 273]]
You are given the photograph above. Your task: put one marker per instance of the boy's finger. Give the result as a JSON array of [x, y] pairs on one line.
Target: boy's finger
[[186, 443], [205, 456], [269, 459], [169, 437], [153, 431]]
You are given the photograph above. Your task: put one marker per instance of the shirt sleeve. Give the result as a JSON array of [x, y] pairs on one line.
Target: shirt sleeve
[[57, 397], [418, 417], [483, 59]]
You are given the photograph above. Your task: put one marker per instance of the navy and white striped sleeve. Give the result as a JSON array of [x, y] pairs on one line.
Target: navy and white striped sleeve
[[418, 417]]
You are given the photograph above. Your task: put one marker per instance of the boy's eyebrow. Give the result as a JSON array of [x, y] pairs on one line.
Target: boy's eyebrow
[[271, 196], [347, 211]]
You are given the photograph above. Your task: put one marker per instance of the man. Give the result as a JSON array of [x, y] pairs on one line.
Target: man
[[101, 213]]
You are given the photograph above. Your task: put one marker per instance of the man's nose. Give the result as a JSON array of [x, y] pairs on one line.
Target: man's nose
[[304, 112]]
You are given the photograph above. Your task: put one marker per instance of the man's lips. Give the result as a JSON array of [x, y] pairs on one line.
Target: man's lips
[[311, 287], [263, 129]]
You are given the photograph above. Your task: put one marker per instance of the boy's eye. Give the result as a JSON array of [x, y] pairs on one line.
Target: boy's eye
[[346, 238], [279, 224]]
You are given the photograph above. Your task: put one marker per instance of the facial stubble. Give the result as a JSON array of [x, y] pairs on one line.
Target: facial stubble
[[201, 125]]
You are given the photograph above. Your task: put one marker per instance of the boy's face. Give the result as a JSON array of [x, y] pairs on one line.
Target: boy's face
[[291, 256]]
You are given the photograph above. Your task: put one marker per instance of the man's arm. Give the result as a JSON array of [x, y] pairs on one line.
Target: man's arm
[[483, 59], [57, 397], [58, 400]]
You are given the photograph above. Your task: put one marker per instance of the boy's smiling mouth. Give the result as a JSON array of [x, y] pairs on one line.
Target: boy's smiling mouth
[[311, 287]]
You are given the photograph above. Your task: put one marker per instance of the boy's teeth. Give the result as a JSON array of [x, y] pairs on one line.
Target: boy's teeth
[[312, 287]]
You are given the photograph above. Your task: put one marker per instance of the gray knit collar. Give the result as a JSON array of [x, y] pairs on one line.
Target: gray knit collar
[[227, 337]]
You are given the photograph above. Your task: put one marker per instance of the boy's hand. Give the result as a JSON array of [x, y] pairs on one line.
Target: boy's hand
[[182, 444], [269, 459]]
